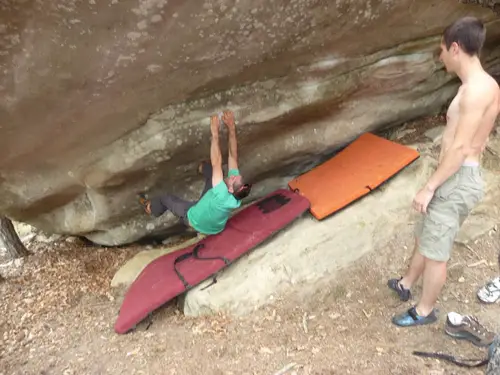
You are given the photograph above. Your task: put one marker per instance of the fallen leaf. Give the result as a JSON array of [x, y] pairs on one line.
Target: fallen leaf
[[265, 350]]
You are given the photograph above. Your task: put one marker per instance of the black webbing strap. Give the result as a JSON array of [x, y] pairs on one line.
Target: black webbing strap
[[413, 313], [195, 255], [177, 260], [214, 281], [150, 321], [459, 362]]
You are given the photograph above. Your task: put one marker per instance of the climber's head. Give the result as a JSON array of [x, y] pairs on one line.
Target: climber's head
[[237, 187], [461, 41]]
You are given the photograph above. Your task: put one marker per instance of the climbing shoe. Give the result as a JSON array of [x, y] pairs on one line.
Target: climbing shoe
[[145, 203], [410, 318], [404, 294]]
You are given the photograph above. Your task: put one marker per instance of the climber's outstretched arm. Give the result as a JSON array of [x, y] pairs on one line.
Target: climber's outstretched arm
[[228, 118], [215, 153]]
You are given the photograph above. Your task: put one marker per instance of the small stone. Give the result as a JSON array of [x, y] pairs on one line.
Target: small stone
[[28, 238], [133, 352], [156, 18], [461, 279], [42, 237], [18, 262]]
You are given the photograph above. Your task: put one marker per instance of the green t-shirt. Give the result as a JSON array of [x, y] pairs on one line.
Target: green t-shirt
[[210, 214]]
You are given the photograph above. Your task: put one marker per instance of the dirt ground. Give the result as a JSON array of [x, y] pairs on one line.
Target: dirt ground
[[57, 317]]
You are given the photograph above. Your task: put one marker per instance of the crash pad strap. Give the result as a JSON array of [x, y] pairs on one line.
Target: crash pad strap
[[194, 254], [461, 362]]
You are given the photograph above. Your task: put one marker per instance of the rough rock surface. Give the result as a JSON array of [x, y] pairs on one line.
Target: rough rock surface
[[492, 4], [102, 99]]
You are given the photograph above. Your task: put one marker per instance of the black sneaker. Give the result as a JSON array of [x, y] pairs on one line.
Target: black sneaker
[[404, 294]]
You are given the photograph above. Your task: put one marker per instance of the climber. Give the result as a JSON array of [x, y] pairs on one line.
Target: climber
[[219, 198], [456, 187]]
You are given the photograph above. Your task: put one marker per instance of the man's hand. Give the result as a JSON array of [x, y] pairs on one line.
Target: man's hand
[[422, 199], [228, 118], [214, 124]]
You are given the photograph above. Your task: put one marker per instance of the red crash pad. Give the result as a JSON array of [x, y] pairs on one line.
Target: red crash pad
[[175, 273]]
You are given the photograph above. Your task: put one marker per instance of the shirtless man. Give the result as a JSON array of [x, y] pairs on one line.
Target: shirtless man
[[456, 187], [209, 214]]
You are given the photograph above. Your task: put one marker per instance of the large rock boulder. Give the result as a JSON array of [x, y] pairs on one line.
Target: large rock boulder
[[100, 100]]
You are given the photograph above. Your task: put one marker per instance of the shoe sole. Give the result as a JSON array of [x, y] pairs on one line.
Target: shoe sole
[[417, 324], [487, 302], [468, 337]]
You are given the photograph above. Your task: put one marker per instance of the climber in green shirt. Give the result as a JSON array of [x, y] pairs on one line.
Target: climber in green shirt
[[220, 196]]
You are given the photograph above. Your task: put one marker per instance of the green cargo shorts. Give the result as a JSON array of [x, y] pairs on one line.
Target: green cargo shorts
[[446, 212]]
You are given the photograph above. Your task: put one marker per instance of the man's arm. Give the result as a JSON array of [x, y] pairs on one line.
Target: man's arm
[[215, 154], [471, 110], [232, 162]]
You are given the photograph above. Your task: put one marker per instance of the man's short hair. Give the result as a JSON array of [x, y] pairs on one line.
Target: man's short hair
[[242, 191], [468, 32]]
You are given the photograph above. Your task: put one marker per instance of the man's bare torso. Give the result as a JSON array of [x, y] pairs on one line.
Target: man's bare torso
[[491, 111]]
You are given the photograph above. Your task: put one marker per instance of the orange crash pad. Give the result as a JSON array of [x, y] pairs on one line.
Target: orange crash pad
[[355, 171]]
